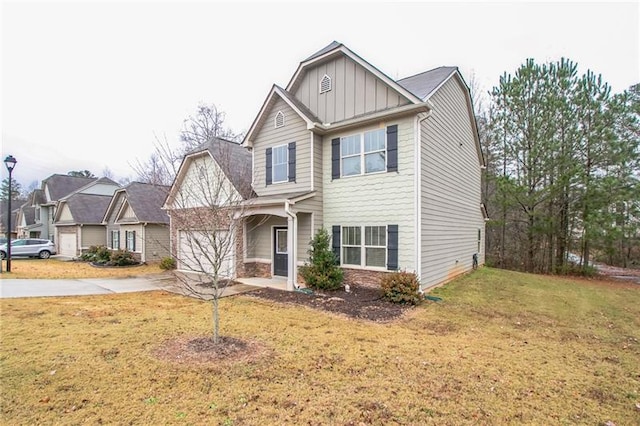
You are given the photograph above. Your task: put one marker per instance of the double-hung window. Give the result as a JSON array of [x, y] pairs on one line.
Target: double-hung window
[[370, 251], [115, 240], [131, 240], [280, 163], [363, 153]]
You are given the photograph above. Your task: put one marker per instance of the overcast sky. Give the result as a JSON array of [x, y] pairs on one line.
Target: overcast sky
[[87, 85]]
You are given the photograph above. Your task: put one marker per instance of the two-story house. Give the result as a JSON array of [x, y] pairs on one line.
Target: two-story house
[[391, 168]]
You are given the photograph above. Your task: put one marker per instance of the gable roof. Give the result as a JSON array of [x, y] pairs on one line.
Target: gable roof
[[145, 200], [60, 186], [86, 209], [234, 160], [426, 83]]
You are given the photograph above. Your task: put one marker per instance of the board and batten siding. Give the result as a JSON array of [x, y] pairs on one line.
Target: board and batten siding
[[354, 91], [380, 199], [294, 130], [450, 192]]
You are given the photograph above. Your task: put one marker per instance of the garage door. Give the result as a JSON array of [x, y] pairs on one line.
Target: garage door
[[196, 253], [67, 244]]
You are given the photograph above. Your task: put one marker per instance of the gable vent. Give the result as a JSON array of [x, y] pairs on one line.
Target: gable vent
[[279, 120], [325, 84]]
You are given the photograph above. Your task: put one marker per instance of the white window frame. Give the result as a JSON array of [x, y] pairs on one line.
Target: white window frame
[[278, 121], [285, 164], [363, 246], [363, 154], [115, 236]]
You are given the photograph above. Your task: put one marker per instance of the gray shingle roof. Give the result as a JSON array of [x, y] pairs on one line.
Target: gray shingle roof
[[146, 200], [63, 185], [88, 209], [302, 107], [29, 213], [334, 44], [235, 161], [423, 84]]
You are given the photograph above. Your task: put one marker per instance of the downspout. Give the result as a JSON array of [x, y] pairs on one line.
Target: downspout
[[143, 250], [292, 238], [418, 189]]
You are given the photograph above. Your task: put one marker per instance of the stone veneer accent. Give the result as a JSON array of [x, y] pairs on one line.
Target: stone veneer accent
[[363, 277], [256, 269]]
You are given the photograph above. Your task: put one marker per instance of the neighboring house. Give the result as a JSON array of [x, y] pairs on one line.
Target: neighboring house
[[15, 218], [135, 221], [44, 201], [78, 217], [210, 178], [391, 168], [25, 218]]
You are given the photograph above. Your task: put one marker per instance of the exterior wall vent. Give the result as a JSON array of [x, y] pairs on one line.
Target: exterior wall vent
[[325, 84], [279, 120]]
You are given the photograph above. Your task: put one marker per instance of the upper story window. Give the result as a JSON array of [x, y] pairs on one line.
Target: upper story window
[[280, 161], [325, 84], [279, 120], [363, 153]]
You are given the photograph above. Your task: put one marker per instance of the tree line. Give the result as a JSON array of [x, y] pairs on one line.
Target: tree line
[[561, 182]]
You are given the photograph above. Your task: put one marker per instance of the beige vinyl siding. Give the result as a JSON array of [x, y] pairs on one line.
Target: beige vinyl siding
[[260, 234], [93, 235], [156, 243], [304, 236], [380, 199], [450, 193], [354, 91], [139, 235], [128, 213], [65, 214], [294, 130], [204, 184]]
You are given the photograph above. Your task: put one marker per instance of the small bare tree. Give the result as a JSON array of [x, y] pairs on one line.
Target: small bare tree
[[206, 207]]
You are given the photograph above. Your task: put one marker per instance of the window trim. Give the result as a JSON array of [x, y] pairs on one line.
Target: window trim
[[285, 147], [363, 247], [132, 235], [363, 154], [115, 236]]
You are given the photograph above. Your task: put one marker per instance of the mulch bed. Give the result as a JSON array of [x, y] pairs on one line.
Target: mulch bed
[[362, 303]]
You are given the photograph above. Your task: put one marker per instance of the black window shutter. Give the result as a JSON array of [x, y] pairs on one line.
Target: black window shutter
[[335, 241], [335, 158], [392, 148], [134, 241], [392, 247], [118, 241], [292, 161], [268, 168]]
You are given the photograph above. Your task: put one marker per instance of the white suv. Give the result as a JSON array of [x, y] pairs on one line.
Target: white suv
[[31, 247]]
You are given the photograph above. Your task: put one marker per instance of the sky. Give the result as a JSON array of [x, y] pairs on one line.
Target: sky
[[91, 85]]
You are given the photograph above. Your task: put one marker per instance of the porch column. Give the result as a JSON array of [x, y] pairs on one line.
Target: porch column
[[292, 244]]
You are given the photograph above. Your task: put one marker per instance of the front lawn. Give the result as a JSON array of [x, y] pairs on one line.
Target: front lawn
[[501, 348], [56, 268]]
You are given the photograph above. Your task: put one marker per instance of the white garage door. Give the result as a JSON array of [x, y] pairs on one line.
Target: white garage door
[[67, 244], [196, 253]]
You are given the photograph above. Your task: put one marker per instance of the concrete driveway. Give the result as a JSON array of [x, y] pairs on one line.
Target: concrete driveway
[[80, 287]]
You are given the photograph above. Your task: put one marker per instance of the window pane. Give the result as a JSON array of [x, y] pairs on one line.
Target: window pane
[[374, 141], [375, 236], [351, 236], [376, 257], [374, 162], [351, 166], [350, 145], [279, 173], [351, 255]]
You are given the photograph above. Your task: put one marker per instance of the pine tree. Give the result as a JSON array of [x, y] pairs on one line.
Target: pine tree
[[323, 271]]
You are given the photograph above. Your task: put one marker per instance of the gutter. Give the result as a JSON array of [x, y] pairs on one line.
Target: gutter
[[292, 237]]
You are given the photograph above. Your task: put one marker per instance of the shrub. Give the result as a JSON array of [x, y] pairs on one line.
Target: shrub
[[323, 271], [168, 263], [122, 258], [97, 254], [401, 287]]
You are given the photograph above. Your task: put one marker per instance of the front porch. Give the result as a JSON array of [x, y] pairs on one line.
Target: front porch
[[276, 282]]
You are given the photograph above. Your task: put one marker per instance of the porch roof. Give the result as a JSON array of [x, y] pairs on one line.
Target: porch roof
[[268, 200]]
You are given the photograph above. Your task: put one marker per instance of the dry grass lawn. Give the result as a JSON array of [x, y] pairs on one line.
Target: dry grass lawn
[[55, 268], [501, 348]]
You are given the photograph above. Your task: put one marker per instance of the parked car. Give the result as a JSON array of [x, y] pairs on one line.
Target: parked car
[[31, 247]]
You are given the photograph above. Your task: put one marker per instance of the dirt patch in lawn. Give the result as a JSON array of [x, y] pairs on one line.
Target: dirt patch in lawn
[[361, 303], [202, 351]]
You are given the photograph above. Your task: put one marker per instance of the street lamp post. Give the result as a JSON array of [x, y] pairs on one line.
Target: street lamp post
[[10, 162]]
